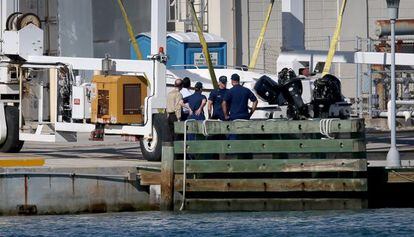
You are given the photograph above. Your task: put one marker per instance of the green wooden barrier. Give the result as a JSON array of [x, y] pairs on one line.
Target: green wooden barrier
[[270, 127], [333, 178], [271, 146], [271, 165]]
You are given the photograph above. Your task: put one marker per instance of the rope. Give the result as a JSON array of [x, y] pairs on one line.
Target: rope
[[185, 162], [402, 176], [325, 127], [205, 132]]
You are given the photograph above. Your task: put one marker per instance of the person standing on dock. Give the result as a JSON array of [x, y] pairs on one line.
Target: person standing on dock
[[185, 92], [174, 99], [237, 98], [195, 103], [215, 111]]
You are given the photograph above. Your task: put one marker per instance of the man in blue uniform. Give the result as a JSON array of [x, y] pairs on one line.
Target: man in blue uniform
[[195, 103], [215, 111], [237, 98]]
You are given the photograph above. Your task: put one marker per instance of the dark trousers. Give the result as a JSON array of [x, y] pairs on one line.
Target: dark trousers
[[171, 119], [184, 116]]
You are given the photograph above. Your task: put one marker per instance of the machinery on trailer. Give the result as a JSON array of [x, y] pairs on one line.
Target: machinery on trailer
[[126, 99]]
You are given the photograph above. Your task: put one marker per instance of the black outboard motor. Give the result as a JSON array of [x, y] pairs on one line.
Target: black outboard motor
[[269, 91], [291, 88], [327, 92]]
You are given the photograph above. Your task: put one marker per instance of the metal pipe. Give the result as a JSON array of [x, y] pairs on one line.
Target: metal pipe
[[402, 27], [40, 104], [393, 156], [361, 100], [63, 174], [358, 81], [369, 76], [399, 114]]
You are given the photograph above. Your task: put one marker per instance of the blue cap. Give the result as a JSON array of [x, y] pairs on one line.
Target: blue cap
[[235, 77], [198, 85], [223, 79]]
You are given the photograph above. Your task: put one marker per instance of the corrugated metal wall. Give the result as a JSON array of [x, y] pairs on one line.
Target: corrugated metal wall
[[320, 21]]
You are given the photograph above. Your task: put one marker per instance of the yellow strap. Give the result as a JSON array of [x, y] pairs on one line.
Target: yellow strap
[[21, 162], [259, 43], [132, 35], [130, 30], [203, 44], [334, 41]]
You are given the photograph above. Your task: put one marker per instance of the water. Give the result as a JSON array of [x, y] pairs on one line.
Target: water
[[382, 222]]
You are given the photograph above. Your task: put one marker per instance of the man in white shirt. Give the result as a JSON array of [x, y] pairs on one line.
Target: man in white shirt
[[185, 92]]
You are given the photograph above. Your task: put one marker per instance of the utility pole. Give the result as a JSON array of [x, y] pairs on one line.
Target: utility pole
[[393, 156]]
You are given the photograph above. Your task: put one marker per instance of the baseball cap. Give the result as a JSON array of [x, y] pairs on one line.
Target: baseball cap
[[198, 85], [235, 77], [223, 79]]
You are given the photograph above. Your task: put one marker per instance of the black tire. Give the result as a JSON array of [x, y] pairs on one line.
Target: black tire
[[12, 143], [151, 151], [11, 20]]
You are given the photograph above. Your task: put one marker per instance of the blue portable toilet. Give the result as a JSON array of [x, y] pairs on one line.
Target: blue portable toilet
[[184, 49]]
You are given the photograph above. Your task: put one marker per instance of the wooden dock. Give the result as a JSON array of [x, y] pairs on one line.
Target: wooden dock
[[273, 165]]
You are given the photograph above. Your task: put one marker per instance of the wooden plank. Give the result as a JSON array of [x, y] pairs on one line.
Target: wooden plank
[[270, 127], [401, 176], [271, 165], [271, 146], [271, 185], [149, 177], [167, 177], [285, 204]]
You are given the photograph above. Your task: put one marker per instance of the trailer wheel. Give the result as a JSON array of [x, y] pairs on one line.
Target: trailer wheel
[[12, 143], [151, 149]]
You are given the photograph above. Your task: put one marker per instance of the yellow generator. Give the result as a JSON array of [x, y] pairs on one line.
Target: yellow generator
[[118, 99]]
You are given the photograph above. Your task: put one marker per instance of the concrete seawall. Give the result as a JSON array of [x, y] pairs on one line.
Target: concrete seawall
[[71, 190]]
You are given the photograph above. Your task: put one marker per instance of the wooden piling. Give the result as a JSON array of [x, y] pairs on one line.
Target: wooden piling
[[167, 177]]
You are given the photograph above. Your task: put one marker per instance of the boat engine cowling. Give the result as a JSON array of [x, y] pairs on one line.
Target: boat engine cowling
[[291, 88], [269, 91], [328, 101]]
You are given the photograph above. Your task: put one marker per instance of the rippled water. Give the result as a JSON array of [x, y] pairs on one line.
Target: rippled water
[[383, 222]]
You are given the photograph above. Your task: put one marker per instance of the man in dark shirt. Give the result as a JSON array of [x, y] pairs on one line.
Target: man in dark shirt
[[237, 99], [215, 111], [195, 103]]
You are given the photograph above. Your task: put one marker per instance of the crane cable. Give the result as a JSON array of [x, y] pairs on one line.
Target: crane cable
[[259, 43], [203, 43], [130, 30], [334, 41]]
